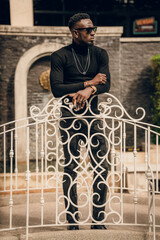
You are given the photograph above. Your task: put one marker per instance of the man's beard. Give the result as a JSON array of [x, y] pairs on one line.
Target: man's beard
[[92, 43], [87, 44]]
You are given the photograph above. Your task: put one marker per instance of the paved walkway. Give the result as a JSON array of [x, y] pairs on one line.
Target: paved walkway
[[59, 232]]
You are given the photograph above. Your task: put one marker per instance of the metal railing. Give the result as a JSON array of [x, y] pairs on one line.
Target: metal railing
[[45, 167]]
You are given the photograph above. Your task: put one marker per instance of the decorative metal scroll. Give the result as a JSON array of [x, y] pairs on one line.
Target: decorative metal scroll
[[80, 151], [109, 107]]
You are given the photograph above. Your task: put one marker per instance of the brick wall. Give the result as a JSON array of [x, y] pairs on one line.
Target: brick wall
[[36, 94], [13, 47], [111, 45], [135, 74], [129, 66]]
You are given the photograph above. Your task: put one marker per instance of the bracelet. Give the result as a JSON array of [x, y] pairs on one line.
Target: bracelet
[[94, 89], [86, 84]]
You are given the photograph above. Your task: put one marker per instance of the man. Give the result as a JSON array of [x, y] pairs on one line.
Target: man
[[81, 71]]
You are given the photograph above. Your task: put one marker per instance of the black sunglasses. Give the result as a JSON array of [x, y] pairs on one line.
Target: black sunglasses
[[88, 30]]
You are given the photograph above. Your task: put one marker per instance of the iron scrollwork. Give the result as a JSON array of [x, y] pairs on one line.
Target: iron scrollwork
[[94, 137]]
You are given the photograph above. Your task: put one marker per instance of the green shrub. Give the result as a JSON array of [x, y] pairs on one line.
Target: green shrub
[[155, 97]]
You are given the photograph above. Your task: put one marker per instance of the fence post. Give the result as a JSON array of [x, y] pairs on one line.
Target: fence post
[[135, 172], [112, 158], [16, 164], [4, 155], [11, 179], [42, 158], [27, 178]]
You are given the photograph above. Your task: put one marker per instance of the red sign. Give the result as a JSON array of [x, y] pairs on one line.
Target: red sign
[[145, 26]]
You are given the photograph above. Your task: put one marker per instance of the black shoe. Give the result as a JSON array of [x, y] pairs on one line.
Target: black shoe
[[103, 227], [73, 227]]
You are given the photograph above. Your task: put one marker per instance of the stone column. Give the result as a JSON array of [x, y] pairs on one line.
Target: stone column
[[20, 89], [21, 12]]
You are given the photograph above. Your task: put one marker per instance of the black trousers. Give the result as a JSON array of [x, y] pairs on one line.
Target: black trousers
[[72, 132]]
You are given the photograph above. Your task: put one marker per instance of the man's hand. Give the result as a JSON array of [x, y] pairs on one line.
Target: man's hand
[[80, 97], [100, 78]]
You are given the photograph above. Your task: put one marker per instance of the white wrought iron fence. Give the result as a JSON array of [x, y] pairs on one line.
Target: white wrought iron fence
[[33, 160]]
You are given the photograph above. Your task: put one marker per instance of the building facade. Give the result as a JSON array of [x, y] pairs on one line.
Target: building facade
[[25, 55]]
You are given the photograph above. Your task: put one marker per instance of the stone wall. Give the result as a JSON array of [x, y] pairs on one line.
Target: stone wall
[[12, 48], [14, 45], [129, 66], [36, 94], [16, 41], [135, 72]]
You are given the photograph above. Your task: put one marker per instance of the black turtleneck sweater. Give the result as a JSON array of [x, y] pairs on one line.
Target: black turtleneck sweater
[[65, 77]]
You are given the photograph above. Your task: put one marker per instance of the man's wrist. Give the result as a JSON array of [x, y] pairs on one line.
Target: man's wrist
[[87, 84], [94, 89]]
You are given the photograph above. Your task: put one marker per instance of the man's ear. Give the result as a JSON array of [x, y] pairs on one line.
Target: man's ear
[[75, 34]]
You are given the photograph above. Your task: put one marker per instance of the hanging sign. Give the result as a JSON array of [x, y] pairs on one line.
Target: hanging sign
[[145, 26]]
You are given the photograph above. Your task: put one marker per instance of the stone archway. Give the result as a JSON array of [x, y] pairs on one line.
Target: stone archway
[[20, 92], [23, 66]]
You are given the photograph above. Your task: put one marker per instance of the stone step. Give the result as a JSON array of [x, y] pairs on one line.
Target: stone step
[[84, 234], [128, 231]]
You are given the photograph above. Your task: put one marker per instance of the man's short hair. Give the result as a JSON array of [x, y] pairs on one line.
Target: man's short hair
[[76, 18]]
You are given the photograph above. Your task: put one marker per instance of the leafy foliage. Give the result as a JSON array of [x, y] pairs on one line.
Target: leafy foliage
[[155, 82]]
